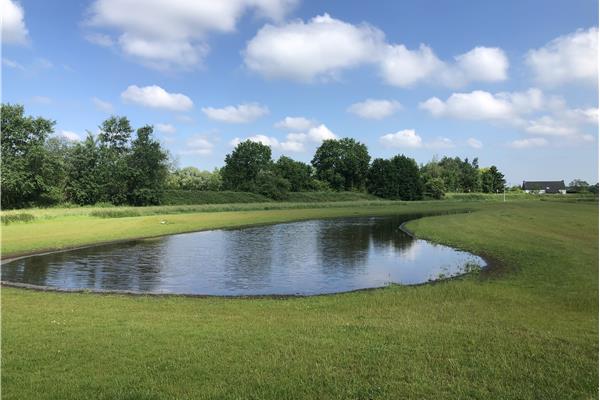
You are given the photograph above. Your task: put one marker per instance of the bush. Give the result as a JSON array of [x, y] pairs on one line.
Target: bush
[[20, 217], [115, 213], [190, 197], [272, 186], [434, 188]]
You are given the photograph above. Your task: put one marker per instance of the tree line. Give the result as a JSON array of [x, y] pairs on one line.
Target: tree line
[[120, 165]]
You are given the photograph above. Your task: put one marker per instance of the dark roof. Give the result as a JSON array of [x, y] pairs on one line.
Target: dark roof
[[548, 186]]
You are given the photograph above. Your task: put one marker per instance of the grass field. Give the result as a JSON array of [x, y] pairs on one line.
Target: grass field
[[526, 329]]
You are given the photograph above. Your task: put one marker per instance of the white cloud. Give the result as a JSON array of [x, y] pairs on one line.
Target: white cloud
[[474, 143], [404, 138], [568, 58], [483, 64], [481, 105], [71, 136], [319, 48], [320, 133], [239, 114], [530, 111], [102, 105], [12, 64], [324, 46], [198, 145], [14, 30], [173, 34], [374, 109], [156, 97], [294, 142], [440, 143], [547, 125], [403, 67], [100, 39], [528, 143], [165, 128], [295, 124]]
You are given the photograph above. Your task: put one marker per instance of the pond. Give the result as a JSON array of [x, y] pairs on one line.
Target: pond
[[299, 258]]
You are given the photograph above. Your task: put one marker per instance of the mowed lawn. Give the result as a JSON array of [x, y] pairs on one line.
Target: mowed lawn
[[527, 328]]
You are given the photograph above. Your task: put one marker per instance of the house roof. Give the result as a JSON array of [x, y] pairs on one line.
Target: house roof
[[549, 186]]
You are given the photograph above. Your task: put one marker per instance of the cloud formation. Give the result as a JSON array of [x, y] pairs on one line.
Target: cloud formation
[[70, 136], [156, 97], [528, 143], [198, 145], [167, 129], [474, 143], [172, 34], [102, 105], [568, 58], [295, 124], [294, 141], [403, 138], [323, 47], [239, 114], [14, 30], [374, 109]]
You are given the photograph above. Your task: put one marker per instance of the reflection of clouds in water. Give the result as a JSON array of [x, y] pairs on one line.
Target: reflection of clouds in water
[[320, 256]]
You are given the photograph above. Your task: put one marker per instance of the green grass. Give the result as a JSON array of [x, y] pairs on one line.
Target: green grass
[[192, 197], [185, 197], [527, 331]]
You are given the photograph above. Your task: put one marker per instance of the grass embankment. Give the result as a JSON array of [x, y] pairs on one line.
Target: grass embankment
[[187, 197], [530, 332], [55, 228]]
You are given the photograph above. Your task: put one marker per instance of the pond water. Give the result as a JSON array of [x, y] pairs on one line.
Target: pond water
[[309, 257]]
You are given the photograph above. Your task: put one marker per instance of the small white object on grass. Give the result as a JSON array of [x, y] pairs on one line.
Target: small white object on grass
[[163, 222]]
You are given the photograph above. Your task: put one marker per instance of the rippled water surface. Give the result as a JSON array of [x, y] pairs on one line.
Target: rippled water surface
[[310, 257]]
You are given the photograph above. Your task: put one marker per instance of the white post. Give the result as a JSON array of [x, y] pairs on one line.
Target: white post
[[504, 194]]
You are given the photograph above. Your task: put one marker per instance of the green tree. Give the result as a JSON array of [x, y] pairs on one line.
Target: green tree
[[492, 180], [579, 185], [28, 171], [396, 178], [113, 171], [271, 185], [434, 188], [83, 184], [343, 164], [191, 178], [244, 164], [148, 168], [297, 173]]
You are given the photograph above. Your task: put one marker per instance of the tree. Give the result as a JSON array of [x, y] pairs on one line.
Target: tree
[[28, 172], [271, 185], [147, 167], [492, 180], [191, 178], [112, 169], [83, 184], [343, 163], [115, 133], [297, 173], [434, 188], [396, 178], [579, 185], [244, 164]]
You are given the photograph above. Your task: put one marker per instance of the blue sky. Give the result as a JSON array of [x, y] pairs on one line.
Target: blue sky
[[513, 83]]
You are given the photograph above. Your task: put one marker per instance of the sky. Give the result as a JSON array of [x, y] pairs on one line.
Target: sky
[[514, 83]]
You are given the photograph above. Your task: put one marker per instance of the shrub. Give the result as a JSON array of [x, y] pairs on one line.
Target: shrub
[[20, 217]]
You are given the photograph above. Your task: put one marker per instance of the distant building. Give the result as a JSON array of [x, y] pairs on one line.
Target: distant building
[[541, 187]]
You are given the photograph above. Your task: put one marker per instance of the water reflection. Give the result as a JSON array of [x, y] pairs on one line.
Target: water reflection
[[310, 257]]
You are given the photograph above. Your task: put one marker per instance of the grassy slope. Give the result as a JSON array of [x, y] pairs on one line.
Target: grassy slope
[[531, 332], [59, 228]]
